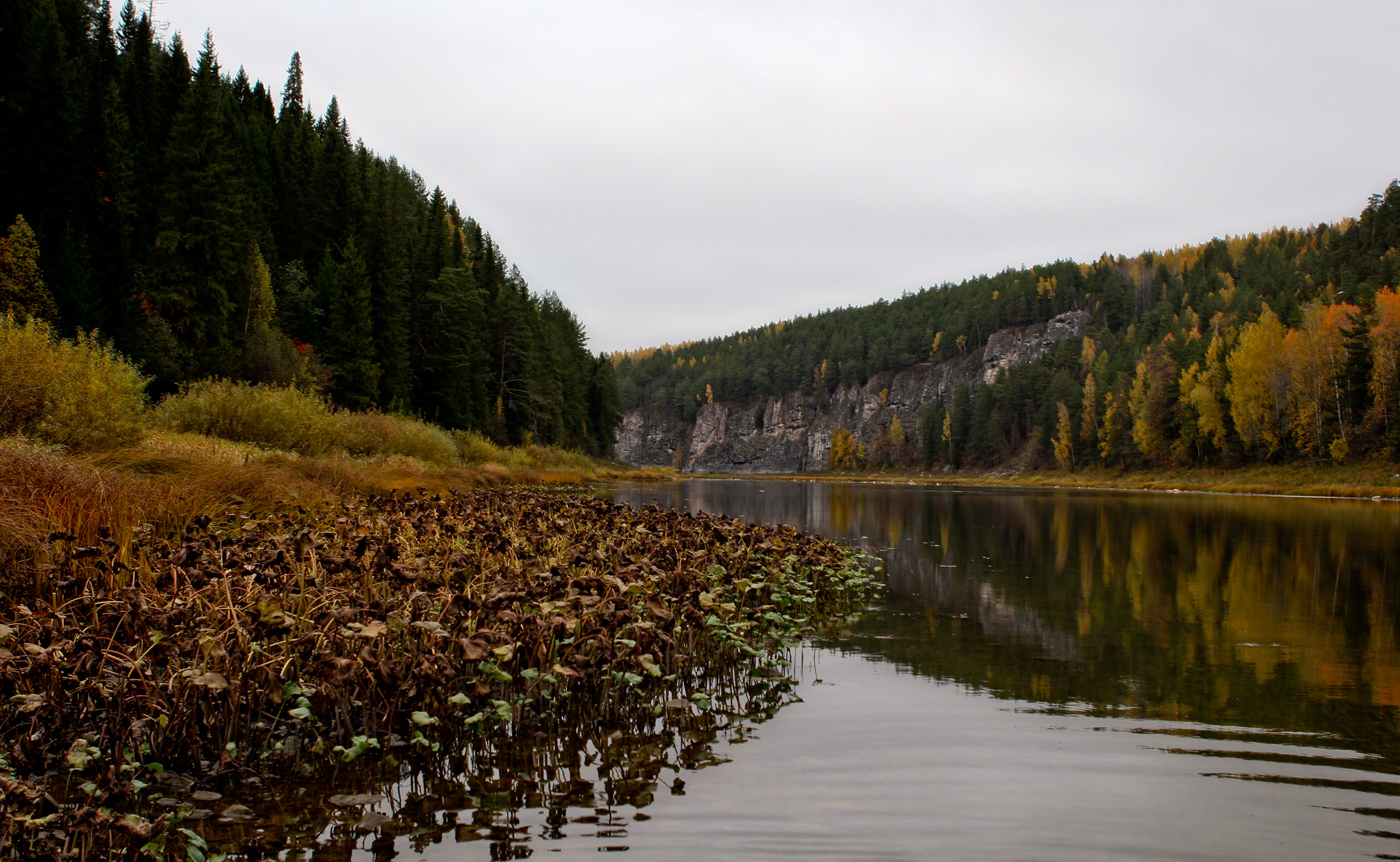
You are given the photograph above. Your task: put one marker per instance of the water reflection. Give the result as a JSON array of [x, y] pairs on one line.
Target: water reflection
[[1262, 631], [575, 775]]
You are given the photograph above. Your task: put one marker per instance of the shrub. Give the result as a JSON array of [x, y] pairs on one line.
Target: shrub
[[271, 416], [80, 394], [473, 448], [476, 449], [375, 433], [559, 458]]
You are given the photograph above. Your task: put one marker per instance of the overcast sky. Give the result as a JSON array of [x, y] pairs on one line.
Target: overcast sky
[[678, 170]]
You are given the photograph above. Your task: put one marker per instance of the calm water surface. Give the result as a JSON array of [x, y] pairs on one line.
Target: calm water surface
[[1072, 676]]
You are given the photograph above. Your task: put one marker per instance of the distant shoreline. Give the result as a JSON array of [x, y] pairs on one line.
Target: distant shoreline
[[1374, 481]]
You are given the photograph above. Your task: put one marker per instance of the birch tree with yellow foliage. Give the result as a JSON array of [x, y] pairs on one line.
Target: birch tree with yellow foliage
[[1258, 387], [1202, 401], [1315, 354]]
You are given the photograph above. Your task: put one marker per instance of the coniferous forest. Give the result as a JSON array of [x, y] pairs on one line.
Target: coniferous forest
[[1268, 347], [208, 227]]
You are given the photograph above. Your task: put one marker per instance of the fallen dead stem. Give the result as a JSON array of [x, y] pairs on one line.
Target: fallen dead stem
[[266, 639]]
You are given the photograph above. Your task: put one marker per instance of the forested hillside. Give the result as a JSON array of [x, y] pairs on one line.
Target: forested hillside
[[1264, 347], [208, 228]]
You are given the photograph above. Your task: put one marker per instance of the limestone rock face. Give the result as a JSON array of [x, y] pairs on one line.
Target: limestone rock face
[[1008, 347], [794, 434]]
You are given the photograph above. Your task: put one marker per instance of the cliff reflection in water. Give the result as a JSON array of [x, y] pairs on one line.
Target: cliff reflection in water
[[1271, 613]]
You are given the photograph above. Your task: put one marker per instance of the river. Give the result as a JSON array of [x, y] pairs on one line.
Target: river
[[1051, 675]]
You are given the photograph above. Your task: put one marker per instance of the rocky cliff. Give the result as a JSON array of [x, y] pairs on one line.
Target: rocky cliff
[[793, 433]]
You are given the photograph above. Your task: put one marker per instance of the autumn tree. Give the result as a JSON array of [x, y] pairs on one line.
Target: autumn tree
[[22, 291], [1315, 355], [1064, 439], [1089, 413], [1087, 353], [900, 448], [1151, 404], [1258, 387], [1384, 383], [1201, 404], [843, 451]]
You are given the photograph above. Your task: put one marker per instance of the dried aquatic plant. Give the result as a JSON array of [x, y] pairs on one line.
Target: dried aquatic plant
[[252, 640]]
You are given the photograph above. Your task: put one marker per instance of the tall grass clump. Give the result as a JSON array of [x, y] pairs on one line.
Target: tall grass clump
[[79, 394], [375, 433], [272, 416], [43, 491]]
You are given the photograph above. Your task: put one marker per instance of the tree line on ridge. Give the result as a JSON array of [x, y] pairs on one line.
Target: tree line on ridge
[[1273, 346]]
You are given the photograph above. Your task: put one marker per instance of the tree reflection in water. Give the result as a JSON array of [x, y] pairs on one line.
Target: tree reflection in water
[[1238, 619]]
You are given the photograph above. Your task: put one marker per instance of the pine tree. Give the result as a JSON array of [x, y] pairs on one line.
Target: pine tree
[[1151, 402], [960, 424], [175, 211], [137, 84], [390, 202]]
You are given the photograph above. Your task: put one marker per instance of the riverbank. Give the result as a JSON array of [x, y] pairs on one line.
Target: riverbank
[[1363, 480], [168, 478]]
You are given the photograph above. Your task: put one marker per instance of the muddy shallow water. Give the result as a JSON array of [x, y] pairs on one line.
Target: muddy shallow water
[[1051, 676]]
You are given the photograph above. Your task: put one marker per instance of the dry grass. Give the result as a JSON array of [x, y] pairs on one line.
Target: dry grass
[[43, 491], [115, 494], [169, 478]]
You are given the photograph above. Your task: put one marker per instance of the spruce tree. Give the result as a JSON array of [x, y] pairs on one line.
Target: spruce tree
[[604, 405], [451, 364], [294, 155], [348, 343], [332, 192], [198, 255]]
